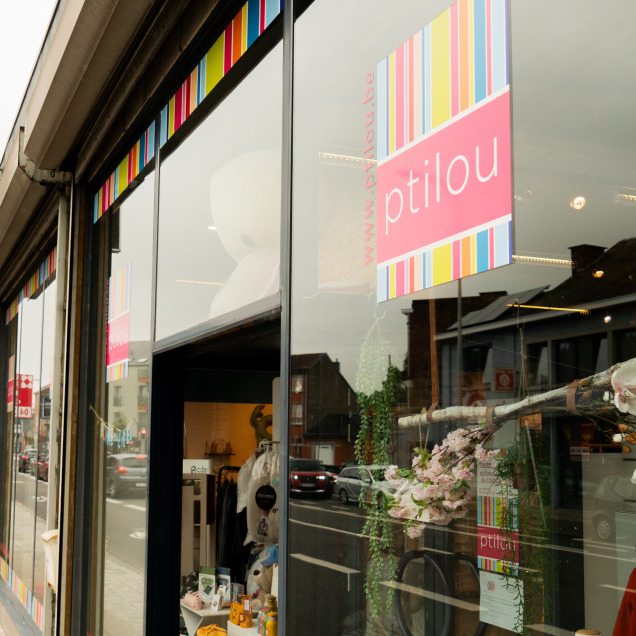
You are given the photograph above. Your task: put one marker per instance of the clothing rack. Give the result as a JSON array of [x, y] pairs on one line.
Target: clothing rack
[[219, 473]]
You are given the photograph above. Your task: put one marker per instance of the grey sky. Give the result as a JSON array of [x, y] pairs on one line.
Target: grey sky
[[22, 28]]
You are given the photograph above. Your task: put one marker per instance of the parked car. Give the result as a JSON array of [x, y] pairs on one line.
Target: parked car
[[125, 472], [614, 494], [309, 477], [357, 481], [42, 467], [25, 458]]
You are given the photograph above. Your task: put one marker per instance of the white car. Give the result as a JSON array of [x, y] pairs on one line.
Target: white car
[[356, 481]]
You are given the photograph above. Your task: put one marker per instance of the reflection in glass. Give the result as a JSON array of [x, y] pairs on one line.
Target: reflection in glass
[[121, 408], [219, 222], [499, 336]]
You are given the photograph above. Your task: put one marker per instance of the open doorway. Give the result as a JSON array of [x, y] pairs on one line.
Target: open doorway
[[216, 431]]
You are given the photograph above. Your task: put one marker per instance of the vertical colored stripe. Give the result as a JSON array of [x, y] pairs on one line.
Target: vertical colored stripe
[[399, 97], [466, 257], [471, 53], [411, 91], [454, 58], [227, 53], [501, 249], [392, 280], [214, 67], [491, 248], [440, 44], [252, 21], [400, 278], [464, 56], [417, 85], [427, 79], [244, 29], [178, 107], [488, 50], [382, 111], [411, 275], [392, 105], [480, 49], [237, 34], [499, 44], [442, 264], [457, 268], [261, 21], [273, 9], [193, 81], [171, 117], [482, 251]]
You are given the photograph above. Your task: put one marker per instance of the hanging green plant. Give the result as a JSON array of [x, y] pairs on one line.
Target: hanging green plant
[[524, 484], [372, 447]]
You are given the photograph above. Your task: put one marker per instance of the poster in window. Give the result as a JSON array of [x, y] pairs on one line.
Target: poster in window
[[444, 178], [118, 329]]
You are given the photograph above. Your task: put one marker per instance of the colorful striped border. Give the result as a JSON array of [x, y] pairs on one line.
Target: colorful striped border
[[117, 371], [138, 157], [248, 24], [25, 596], [37, 279], [484, 249], [453, 63]]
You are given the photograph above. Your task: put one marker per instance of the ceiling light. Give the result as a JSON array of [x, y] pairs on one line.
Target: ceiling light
[[598, 273], [607, 319], [578, 202], [212, 227]]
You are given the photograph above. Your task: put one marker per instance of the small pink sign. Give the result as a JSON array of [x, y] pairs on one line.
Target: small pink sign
[[118, 339], [492, 544]]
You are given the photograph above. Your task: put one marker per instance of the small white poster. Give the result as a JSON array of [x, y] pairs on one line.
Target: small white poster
[[498, 603]]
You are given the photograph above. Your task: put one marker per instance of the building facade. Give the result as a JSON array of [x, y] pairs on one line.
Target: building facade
[[235, 233]]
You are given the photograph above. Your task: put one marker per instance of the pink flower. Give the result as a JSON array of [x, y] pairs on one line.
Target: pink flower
[[415, 530], [399, 512], [391, 473], [624, 385]]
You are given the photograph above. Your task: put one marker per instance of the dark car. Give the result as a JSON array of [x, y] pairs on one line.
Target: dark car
[[614, 494], [25, 458], [309, 477], [42, 468], [125, 472]]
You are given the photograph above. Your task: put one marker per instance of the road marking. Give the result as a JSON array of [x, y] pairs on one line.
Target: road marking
[[328, 564], [142, 508], [138, 534], [418, 591], [115, 501], [40, 498]]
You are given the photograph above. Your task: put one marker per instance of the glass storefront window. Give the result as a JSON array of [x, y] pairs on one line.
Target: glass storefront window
[[561, 311], [219, 219], [120, 410], [30, 334]]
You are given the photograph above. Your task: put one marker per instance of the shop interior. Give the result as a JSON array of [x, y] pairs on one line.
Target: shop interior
[[230, 483]]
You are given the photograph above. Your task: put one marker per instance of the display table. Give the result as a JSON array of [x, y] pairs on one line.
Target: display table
[[200, 618], [235, 630]]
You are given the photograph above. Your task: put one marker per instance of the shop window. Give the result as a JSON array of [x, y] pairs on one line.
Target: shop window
[[408, 336], [123, 282], [223, 254], [30, 331]]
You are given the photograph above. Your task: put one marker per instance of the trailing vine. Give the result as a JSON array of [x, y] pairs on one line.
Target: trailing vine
[[372, 446], [524, 524]]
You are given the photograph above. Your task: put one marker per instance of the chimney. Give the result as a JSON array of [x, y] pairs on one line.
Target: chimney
[[584, 255]]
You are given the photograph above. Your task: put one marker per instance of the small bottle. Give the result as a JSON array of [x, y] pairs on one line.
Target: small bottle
[[272, 625]]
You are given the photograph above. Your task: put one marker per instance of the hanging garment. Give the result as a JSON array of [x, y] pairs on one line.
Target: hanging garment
[[626, 619]]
